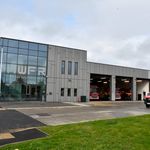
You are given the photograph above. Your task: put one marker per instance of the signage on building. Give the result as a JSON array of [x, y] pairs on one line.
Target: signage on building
[[31, 70]]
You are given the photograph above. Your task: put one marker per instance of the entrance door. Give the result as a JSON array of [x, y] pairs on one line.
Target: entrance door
[[32, 92]]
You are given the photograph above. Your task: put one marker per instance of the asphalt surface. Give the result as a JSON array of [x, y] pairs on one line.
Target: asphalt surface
[[27, 104], [80, 112], [12, 119], [23, 136]]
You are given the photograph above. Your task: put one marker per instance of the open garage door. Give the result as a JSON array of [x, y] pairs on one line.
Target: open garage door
[[99, 87], [123, 88], [143, 87]]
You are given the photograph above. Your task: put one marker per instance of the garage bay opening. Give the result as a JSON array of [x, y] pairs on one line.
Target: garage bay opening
[[100, 87], [124, 88]]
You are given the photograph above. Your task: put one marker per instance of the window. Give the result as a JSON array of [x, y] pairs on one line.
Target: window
[[13, 43], [32, 53], [32, 70], [4, 57], [0, 41], [69, 92], [12, 50], [41, 61], [63, 67], [23, 44], [31, 80], [5, 42], [33, 46], [5, 49], [10, 78], [11, 68], [42, 54], [69, 67], [41, 80], [76, 68], [12, 58], [62, 91], [23, 51], [3, 67], [32, 60], [43, 48], [75, 92], [22, 59]]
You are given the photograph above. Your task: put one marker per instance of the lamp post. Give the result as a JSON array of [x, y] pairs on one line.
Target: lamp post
[[1, 65]]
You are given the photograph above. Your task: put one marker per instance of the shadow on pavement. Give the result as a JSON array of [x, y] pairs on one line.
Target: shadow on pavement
[[23, 136]]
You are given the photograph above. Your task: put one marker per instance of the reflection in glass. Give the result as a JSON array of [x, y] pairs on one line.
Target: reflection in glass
[[4, 57], [10, 78], [76, 68], [5, 49], [13, 43], [22, 59], [4, 68], [32, 60], [41, 80], [32, 70], [33, 46], [69, 67], [12, 50], [41, 71], [5, 42], [22, 70], [0, 41], [43, 47], [12, 58], [11, 68], [63, 67], [33, 53], [31, 80], [23, 44], [42, 54], [41, 61], [23, 51], [21, 79], [3, 77]]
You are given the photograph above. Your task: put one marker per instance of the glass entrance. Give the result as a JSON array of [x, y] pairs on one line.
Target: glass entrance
[[33, 92]]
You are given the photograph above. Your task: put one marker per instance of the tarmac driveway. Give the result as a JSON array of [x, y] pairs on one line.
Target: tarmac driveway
[[11, 120], [80, 112]]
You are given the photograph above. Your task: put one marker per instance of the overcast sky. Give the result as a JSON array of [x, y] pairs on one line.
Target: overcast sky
[[112, 31]]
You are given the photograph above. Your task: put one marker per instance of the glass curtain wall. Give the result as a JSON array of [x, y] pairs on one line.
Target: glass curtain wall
[[23, 74]]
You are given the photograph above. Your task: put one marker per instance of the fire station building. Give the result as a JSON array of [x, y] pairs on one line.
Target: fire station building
[[31, 71]]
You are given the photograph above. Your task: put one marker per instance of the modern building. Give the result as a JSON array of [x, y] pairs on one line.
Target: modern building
[[35, 72]]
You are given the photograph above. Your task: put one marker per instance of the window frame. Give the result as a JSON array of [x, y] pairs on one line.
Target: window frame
[[76, 66], [75, 92], [69, 67], [63, 66], [62, 92], [69, 92]]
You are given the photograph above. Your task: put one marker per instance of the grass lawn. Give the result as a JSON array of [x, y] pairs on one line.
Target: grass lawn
[[132, 133]]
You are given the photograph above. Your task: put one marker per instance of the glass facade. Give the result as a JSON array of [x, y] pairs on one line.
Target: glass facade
[[23, 73]]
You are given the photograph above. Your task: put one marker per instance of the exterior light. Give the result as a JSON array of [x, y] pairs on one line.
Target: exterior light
[[105, 82], [138, 81]]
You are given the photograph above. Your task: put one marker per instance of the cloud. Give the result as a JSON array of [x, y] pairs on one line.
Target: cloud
[[114, 32]]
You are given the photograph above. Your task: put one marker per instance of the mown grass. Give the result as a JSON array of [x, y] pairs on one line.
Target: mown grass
[[132, 133]]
